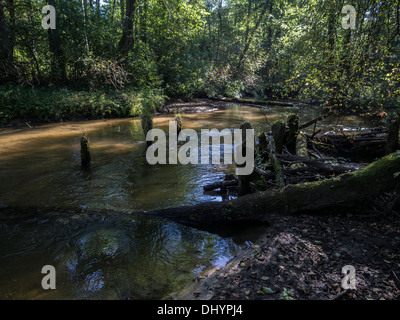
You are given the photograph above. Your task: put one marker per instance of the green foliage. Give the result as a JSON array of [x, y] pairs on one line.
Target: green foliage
[[286, 294], [18, 102], [208, 48], [351, 70]]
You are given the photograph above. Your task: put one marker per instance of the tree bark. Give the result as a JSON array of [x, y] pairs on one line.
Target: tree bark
[[250, 38], [58, 60], [85, 19], [126, 41], [350, 190], [5, 48]]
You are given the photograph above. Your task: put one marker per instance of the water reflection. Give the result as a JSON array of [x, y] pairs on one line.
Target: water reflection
[[104, 256]]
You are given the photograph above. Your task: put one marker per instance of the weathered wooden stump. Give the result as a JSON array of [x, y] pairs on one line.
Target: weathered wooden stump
[[392, 142], [293, 125], [262, 141], [147, 125], [85, 152], [244, 180], [178, 120], [279, 134]]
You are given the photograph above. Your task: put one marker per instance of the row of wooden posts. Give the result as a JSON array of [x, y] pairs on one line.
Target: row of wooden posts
[[147, 125]]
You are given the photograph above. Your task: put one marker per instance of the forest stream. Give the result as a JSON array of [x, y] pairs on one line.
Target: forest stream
[[83, 222]]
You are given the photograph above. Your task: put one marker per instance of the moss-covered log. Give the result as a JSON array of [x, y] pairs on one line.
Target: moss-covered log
[[349, 190]]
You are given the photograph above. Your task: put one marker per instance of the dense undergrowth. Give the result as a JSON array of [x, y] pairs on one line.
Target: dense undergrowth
[[55, 103]]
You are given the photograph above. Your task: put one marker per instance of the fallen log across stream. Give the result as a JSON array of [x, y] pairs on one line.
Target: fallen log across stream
[[349, 190]]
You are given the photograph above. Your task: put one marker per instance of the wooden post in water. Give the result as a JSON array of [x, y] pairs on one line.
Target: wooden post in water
[[244, 181], [147, 125], [178, 120], [85, 152]]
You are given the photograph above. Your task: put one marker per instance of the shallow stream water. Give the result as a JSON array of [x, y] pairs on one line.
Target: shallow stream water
[[83, 222]]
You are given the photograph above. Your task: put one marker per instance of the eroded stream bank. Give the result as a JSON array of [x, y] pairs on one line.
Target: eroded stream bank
[[49, 205]]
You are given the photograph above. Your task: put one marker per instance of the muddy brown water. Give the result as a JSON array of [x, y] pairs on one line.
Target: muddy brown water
[[54, 213]]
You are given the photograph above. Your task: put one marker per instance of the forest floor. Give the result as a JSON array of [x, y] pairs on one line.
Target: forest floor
[[301, 257]]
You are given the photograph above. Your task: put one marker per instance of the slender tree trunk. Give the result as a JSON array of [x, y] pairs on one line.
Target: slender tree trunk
[[85, 18], [398, 17], [58, 58], [32, 48], [113, 10], [145, 9], [11, 10], [250, 38], [126, 41], [217, 62], [5, 44], [98, 8]]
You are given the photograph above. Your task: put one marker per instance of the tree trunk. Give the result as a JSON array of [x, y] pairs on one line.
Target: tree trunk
[[11, 31], [350, 190], [250, 38], [126, 41], [113, 10], [5, 48], [58, 59], [98, 8], [85, 19], [217, 59]]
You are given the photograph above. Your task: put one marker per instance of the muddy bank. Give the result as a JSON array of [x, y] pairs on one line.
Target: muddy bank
[[302, 257]]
